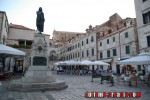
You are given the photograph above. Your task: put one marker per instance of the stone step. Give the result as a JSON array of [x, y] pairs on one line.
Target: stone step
[[18, 85], [33, 89]]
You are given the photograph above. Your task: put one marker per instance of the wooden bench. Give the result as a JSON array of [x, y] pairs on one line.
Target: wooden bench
[[96, 76], [105, 77]]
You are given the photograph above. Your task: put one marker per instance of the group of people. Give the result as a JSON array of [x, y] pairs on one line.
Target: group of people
[[59, 69]]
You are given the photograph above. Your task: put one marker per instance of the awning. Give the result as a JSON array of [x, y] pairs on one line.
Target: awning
[[141, 59], [60, 63], [107, 60], [9, 51], [86, 62], [98, 62], [72, 62], [120, 59]]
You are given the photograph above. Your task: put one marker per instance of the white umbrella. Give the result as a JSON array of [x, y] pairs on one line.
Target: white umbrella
[[87, 62], [98, 62], [141, 59], [72, 62], [9, 51], [6, 51], [60, 63], [55, 63]]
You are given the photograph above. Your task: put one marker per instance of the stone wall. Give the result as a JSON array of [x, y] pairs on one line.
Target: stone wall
[[143, 29], [3, 27]]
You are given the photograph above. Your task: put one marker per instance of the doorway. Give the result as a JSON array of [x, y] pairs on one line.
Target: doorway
[[118, 69], [18, 68]]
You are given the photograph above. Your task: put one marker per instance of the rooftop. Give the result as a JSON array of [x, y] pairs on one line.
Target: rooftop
[[19, 27], [66, 32]]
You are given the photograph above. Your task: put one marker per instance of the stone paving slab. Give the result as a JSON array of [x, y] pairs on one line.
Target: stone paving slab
[[77, 86]]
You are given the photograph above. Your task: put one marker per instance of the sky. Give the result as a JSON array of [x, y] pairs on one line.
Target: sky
[[66, 15]]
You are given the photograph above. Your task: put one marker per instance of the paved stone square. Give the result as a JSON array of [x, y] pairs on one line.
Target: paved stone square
[[77, 86]]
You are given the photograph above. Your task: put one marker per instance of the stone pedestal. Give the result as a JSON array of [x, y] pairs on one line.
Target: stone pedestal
[[38, 77]]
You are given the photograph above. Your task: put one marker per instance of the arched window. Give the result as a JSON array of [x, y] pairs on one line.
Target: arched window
[[53, 55]]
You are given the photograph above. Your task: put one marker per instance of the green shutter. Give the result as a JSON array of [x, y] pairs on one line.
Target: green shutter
[[101, 55], [108, 53], [113, 39], [114, 52], [127, 50], [126, 35], [107, 41]]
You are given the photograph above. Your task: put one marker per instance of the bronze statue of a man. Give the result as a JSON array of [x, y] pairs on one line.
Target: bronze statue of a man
[[40, 20]]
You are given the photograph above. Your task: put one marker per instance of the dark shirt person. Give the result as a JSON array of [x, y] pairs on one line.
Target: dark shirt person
[[143, 72]]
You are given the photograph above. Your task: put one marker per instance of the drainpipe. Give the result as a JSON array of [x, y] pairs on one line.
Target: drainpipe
[[119, 44], [96, 46], [136, 37], [80, 44], [96, 40]]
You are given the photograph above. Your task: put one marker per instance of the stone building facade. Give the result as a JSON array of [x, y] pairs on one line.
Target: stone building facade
[[4, 27], [109, 42], [71, 48], [142, 9], [53, 52], [61, 37], [21, 37], [117, 39]]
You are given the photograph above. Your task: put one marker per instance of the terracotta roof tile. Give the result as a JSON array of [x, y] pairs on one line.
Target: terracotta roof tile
[[19, 27]]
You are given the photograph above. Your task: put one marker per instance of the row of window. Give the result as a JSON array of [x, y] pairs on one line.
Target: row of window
[[87, 53], [72, 47], [108, 40], [114, 52], [87, 40], [75, 55], [77, 45]]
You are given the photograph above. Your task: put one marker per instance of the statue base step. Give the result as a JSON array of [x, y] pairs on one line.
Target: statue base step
[[18, 85], [37, 78]]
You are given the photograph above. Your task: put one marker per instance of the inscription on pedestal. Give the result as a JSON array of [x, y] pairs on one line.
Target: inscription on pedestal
[[39, 61]]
